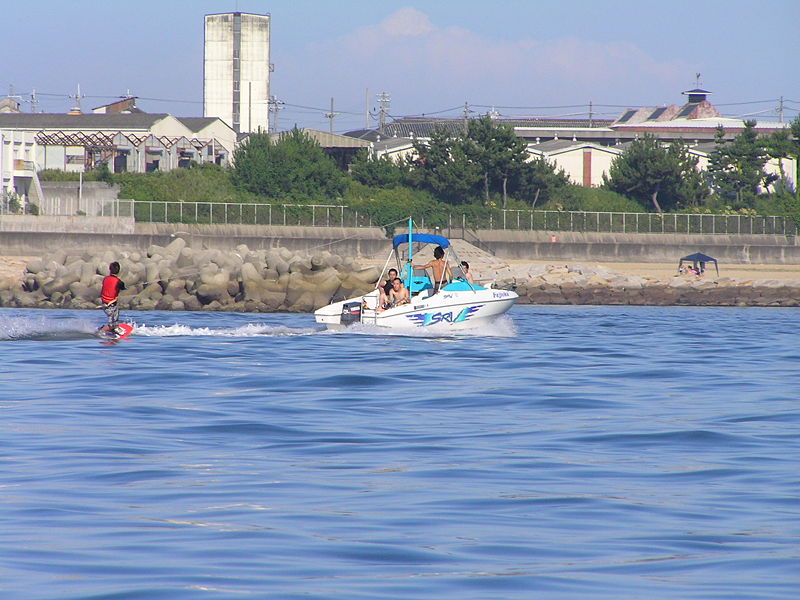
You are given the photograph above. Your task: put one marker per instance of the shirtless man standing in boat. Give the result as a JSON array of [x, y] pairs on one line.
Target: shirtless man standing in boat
[[441, 270]]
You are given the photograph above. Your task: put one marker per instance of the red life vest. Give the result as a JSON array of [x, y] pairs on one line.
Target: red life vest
[[110, 290]]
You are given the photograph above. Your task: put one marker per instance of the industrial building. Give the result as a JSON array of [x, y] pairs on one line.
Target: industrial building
[[136, 142], [585, 148], [236, 70]]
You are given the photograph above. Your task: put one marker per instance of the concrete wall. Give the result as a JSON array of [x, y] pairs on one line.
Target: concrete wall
[[69, 197], [641, 247], [344, 241], [69, 225], [364, 242]]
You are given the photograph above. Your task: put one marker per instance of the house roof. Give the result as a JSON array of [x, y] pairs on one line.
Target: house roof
[[392, 143], [423, 127], [371, 135], [82, 121], [711, 122], [559, 146], [329, 140], [197, 123]]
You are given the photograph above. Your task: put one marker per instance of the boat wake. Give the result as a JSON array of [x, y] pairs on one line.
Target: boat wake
[[249, 330], [42, 328], [46, 328]]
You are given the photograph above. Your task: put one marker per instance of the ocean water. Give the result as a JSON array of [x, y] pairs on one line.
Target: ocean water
[[569, 453]]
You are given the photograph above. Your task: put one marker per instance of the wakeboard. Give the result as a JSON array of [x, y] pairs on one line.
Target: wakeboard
[[122, 331]]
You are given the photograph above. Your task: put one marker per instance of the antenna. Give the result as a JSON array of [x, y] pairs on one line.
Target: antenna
[[12, 95], [697, 80], [77, 97]]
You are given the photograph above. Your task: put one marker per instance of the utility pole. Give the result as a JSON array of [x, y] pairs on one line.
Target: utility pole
[[366, 110], [274, 106], [384, 99], [466, 118], [331, 115], [780, 110], [591, 114], [34, 101]]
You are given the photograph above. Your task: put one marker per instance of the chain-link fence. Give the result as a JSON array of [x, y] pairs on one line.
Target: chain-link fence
[[329, 215]]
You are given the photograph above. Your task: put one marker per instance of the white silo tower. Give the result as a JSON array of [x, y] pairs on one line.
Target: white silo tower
[[236, 70]]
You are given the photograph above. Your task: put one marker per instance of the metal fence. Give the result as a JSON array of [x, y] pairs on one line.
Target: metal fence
[[225, 213], [329, 215], [605, 222]]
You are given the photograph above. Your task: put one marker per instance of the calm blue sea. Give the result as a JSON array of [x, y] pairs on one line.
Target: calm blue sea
[[570, 453]]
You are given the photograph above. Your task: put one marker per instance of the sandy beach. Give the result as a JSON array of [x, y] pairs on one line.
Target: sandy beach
[[666, 270]]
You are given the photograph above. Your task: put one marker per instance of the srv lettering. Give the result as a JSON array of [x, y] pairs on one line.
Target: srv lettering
[[425, 319]]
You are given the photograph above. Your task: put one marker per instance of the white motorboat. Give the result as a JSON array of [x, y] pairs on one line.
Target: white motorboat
[[457, 305]]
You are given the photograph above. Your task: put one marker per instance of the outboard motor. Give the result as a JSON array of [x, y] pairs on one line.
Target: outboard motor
[[351, 313]]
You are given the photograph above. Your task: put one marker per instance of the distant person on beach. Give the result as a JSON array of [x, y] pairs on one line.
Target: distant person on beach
[[109, 295], [441, 270]]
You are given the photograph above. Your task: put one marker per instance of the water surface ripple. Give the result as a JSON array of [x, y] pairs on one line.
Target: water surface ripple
[[573, 452]]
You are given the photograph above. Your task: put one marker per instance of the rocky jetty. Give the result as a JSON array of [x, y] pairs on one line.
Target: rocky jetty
[[578, 284], [178, 277]]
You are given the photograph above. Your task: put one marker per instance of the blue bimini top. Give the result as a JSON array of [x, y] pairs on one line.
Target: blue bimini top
[[423, 238]]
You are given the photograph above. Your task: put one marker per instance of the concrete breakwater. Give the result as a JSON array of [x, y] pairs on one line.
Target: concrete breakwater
[[178, 277], [578, 284]]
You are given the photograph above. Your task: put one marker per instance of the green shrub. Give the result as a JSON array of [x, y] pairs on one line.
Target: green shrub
[[578, 198]]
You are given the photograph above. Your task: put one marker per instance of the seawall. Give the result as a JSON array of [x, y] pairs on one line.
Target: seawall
[[39, 236], [638, 247], [19, 239]]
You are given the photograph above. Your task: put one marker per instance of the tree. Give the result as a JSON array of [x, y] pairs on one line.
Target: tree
[[736, 169], [536, 181], [653, 174], [292, 167], [496, 150], [380, 171], [443, 167]]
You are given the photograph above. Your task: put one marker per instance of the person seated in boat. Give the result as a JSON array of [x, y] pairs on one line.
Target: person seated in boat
[[441, 270], [397, 296], [467, 274], [386, 287]]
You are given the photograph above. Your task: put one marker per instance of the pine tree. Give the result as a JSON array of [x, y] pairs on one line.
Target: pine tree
[[652, 174]]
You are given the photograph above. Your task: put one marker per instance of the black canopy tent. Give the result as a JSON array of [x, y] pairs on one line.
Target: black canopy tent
[[699, 259]]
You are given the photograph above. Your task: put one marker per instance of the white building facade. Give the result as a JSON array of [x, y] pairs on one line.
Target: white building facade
[[236, 70], [18, 179]]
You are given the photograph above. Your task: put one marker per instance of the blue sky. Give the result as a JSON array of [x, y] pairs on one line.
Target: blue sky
[[520, 57]]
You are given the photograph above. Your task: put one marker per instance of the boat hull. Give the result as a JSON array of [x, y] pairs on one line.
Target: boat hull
[[445, 310]]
